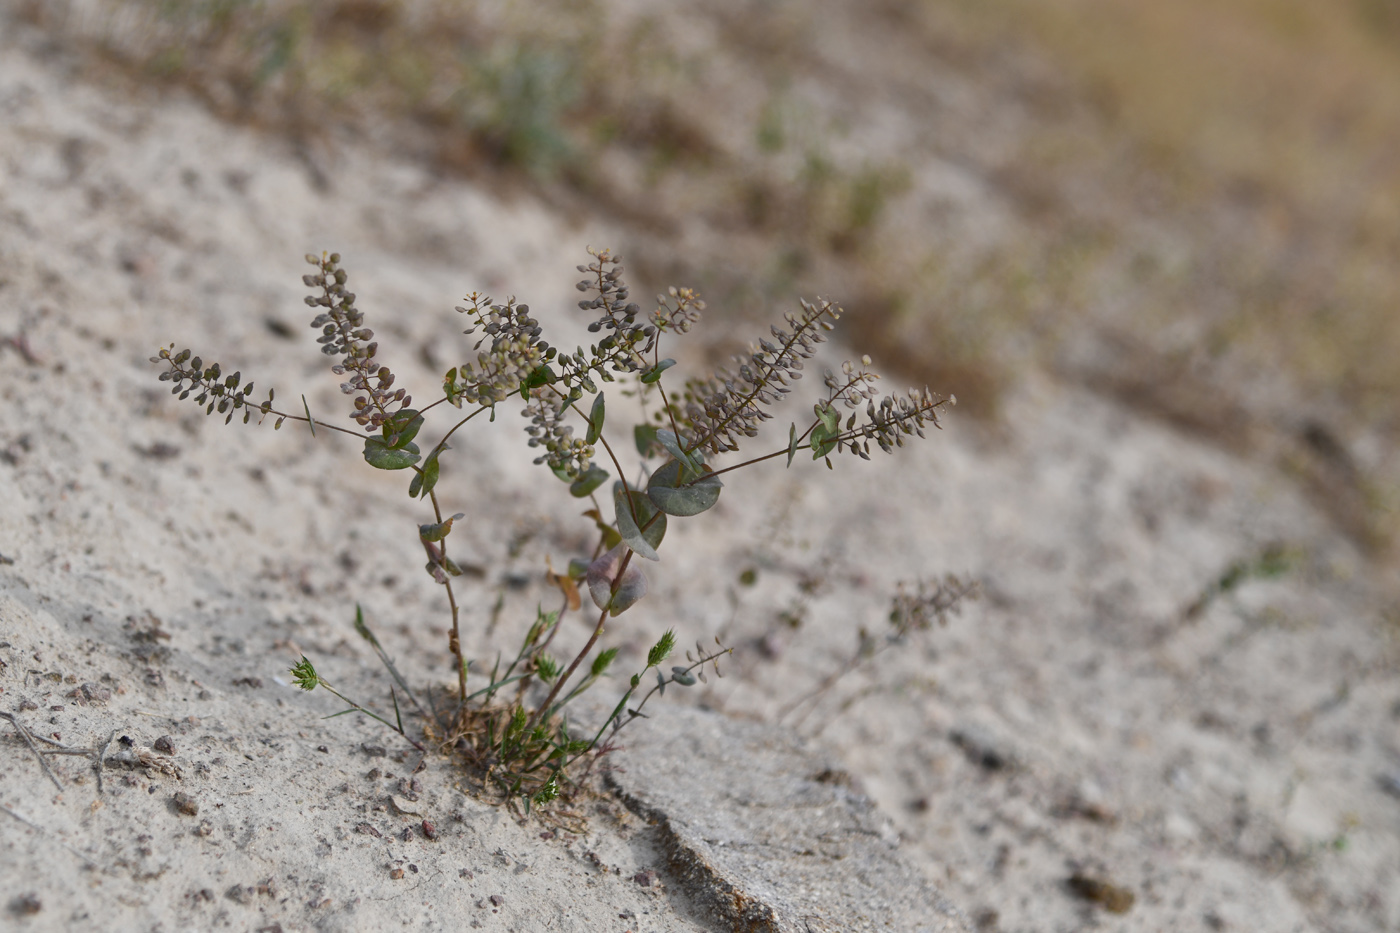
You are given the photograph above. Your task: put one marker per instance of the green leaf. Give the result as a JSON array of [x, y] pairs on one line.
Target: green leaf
[[594, 477], [647, 516], [830, 418], [792, 443], [822, 438], [690, 462], [439, 531], [451, 389], [309, 420], [595, 420], [540, 377], [667, 494], [424, 482], [381, 456], [362, 629], [645, 437], [403, 425], [653, 374]]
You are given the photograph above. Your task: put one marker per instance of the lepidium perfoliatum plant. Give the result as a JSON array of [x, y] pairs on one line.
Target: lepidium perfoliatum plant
[[513, 728]]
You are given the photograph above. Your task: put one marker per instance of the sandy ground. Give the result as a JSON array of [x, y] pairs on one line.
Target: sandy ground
[[1237, 768]]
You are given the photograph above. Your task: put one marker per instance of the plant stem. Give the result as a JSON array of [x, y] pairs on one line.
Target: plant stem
[[370, 713], [454, 641], [321, 424], [592, 640]]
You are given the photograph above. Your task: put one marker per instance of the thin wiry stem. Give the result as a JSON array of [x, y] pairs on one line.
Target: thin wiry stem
[[592, 640]]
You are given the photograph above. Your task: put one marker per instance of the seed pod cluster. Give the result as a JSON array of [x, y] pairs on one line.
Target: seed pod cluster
[[217, 392], [343, 334], [731, 404]]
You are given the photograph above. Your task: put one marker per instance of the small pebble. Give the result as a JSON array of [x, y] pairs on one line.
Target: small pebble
[[404, 805], [27, 904], [1111, 897], [186, 804], [165, 745], [396, 874], [96, 692], [429, 830]]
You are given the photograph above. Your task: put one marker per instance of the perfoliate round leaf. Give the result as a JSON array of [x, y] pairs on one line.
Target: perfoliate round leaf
[[589, 481], [405, 425], [645, 437], [647, 516], [667, 495], [381, 456], [601, 572]]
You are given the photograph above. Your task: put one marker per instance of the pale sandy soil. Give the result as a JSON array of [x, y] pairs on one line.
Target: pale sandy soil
[[1235, 770]]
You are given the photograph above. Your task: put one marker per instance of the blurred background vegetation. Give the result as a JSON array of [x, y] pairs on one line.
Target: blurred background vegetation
[[1193, 206]]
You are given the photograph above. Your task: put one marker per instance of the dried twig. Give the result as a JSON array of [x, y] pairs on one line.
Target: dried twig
[[20, 344], [102, 758], [29, 740]]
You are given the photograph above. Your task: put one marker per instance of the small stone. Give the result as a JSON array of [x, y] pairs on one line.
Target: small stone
[[497, 900], [186, 804], [26, 904], [645, 878], [165, 745], [396, 874], [404, 805], [96, 693], [1111, 897], [983, 747], [429, 830]]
